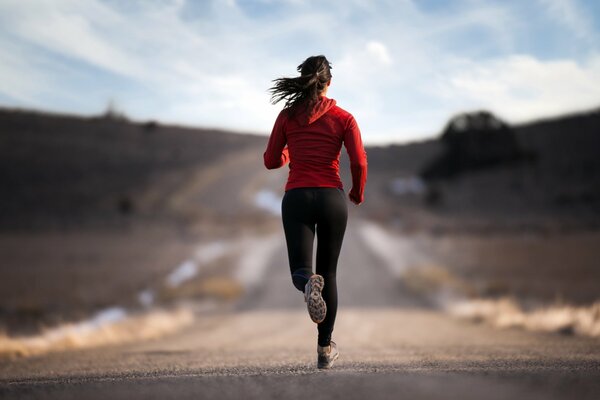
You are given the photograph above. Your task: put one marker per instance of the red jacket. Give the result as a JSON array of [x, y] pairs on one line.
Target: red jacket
[[312, 141]]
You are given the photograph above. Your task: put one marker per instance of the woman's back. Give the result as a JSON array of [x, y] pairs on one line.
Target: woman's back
[[314, 138]]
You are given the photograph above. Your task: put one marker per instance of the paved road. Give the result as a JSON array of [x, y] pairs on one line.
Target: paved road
[[392, 346]]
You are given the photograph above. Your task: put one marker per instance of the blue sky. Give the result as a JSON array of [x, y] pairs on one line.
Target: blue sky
[[402, 67]]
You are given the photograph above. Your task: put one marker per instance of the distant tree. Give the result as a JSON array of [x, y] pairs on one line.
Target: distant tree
[[150, 126], [473, 141], [125, 205], [113, 113]]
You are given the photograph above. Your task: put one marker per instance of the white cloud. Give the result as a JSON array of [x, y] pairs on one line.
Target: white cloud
[[379, 52], [521, 86], [21, 81], [499, 20], [69, 29], [400, 69], [570, 15]]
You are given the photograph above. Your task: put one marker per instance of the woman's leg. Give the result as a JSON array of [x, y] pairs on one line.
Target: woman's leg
[[332, 216], [299, 225]]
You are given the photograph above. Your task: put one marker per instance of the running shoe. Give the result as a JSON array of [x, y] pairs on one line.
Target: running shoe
[[327, 355], [317, 309]]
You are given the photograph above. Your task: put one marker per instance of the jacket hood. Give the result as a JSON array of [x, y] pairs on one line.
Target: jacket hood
[[307, 117]]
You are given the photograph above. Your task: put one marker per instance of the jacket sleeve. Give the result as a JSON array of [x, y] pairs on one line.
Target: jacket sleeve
[[358, 159], [276, 155]]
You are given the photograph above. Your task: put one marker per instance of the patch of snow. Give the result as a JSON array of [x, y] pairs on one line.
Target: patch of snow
[[269, 201], [407, 185], [184, 272], [146, 297], [210, 252]]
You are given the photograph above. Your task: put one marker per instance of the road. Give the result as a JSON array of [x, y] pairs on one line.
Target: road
[[392, 344]]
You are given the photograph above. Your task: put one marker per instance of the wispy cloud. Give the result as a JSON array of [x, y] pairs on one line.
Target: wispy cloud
[[401, 67], [569, 14], [521, 86]]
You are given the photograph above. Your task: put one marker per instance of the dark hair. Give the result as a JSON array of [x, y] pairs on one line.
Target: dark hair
[[315, 74]]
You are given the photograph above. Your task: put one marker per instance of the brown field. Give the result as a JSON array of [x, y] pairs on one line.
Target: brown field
[[95, 210], [535, 268]]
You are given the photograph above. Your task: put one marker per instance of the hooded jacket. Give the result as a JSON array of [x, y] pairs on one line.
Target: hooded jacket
[[311, 141]]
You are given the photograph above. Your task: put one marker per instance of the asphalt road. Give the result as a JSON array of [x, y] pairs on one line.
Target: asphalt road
[[392, 346]]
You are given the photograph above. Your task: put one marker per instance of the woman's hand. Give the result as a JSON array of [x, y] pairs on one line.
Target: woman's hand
[[355, 197]]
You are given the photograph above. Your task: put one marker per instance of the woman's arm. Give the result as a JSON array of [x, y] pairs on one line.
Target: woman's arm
[[276, 155], [358, 161]]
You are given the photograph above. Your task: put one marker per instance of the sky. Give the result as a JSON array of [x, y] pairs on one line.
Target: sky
[[403, 68]]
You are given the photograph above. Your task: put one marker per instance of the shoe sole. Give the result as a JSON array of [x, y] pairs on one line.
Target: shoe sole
[[317, 309]]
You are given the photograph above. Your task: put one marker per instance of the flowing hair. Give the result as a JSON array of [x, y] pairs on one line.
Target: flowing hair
[[315, 74]]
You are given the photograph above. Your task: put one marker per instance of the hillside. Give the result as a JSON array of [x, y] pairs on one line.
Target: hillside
[[97, 211], [555, 185], [64, 170]]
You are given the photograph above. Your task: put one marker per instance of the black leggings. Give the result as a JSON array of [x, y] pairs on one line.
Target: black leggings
[[323, 211]]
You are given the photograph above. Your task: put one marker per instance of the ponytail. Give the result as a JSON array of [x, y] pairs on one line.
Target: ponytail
[[315, 74]]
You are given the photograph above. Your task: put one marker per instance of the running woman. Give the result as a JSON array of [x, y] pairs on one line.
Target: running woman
[[309, 133]]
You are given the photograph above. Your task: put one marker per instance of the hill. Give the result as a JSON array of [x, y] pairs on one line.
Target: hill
[[63, 171], [552, 183], [59, 170], [97, 211]]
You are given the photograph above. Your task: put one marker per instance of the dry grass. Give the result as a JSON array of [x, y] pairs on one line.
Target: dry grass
[[524, 265], [463, 300], [431, 279], [84, 335], [507, 313], [218, 287]]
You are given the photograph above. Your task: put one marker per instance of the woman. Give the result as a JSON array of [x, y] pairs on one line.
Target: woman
[[309, 133]]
